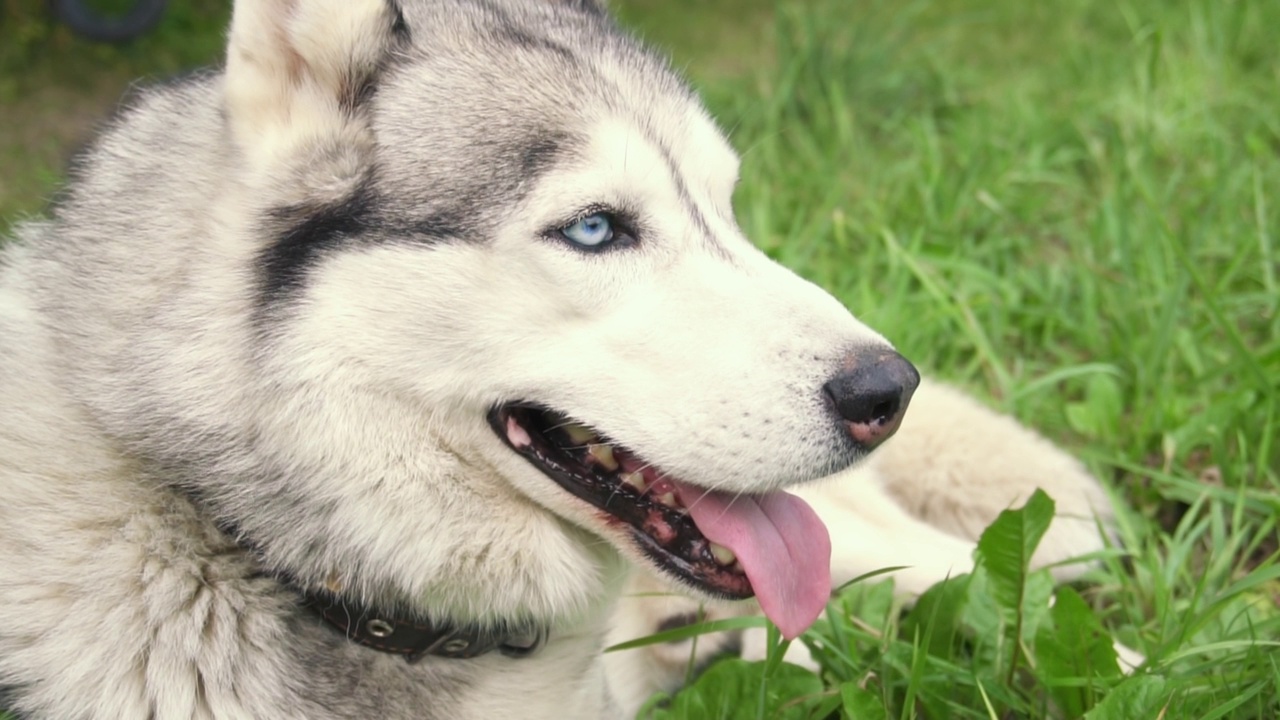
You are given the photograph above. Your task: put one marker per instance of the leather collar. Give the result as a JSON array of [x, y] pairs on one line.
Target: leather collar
[[411, 638], [414, 638]]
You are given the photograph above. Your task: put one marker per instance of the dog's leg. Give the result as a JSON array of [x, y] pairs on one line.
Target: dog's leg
[[870, 531], [956, 464]]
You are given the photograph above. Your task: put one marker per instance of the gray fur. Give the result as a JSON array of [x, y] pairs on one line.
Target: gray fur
[[98, 522], [204, 336]]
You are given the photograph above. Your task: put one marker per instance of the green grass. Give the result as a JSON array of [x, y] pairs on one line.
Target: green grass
[[54, 87], [1071, 209]]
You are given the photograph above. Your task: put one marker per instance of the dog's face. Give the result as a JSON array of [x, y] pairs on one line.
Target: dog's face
[[522, 222]]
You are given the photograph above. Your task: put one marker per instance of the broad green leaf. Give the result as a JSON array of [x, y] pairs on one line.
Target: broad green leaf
[[732, 690], [1072, 652], [870, 602], [1036, 597], [981, 612], [937, 616], [1004, 554], [1100, 410], [1005, 548], [826, 708], [860, 704], [1140, 697]]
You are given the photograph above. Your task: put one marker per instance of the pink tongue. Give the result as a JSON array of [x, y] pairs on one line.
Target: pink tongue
[[782, 545]]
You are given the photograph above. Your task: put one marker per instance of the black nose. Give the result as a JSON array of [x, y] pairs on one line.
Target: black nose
[[871, 392]]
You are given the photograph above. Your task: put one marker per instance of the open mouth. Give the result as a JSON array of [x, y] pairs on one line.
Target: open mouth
[[627, 490], [734, 545]]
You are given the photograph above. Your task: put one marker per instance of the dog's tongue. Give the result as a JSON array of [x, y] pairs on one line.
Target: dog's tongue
[[782, 545]]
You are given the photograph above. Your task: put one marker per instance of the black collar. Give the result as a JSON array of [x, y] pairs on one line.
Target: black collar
[[414, 639], [411, 638]]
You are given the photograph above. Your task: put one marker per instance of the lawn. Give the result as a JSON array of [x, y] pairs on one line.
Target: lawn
[[1070, 209]]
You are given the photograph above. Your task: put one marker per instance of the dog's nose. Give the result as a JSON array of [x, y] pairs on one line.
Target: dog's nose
[[871, 393]]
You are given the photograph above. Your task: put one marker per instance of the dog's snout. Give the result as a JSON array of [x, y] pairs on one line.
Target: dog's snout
[[871, 393]]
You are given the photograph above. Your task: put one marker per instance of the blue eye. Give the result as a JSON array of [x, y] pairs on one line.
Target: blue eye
[[591, 231]]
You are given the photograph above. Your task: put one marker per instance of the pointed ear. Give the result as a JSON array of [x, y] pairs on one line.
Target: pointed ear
[[298, 69]]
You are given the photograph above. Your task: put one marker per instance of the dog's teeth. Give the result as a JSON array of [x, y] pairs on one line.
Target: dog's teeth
[[723, 555], [603, 455], [579, 434], [668, 499], [636, 480]]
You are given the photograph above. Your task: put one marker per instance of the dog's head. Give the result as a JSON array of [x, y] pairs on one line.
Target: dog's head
[[514, 224]]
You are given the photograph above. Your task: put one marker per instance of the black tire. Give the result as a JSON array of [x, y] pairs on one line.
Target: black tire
[[93, 24]]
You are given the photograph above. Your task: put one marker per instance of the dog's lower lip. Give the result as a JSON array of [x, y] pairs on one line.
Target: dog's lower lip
[[658, 525]]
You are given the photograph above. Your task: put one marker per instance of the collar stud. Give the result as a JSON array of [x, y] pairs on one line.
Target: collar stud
[[379, 628], [414, 638]]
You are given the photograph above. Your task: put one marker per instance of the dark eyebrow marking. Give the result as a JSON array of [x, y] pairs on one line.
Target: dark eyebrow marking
[[302, 234], [541, 153], [686, 198], [305, 231]]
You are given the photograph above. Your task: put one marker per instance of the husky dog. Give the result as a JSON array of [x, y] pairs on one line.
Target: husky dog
[[346, 382]]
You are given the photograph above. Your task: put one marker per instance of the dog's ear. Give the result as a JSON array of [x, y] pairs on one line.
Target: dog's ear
[[297, 70]]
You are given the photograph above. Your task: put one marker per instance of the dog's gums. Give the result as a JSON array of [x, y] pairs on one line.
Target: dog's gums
[[627, 490]]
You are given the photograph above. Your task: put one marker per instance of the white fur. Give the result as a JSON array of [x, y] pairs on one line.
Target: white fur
[[289, 65], [156, 392]]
